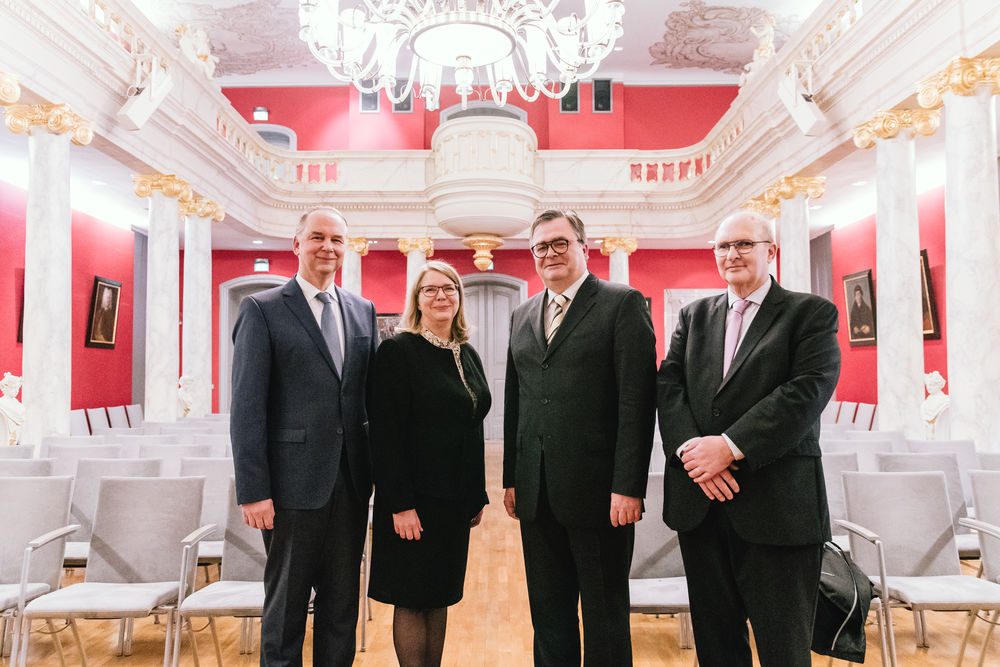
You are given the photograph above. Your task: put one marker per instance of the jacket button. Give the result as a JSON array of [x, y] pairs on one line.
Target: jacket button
[[545, 401], [715, 412], [545, 367], [340, 431]]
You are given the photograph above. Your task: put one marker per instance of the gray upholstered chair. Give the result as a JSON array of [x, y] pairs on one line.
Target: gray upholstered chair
[[867, 451], [131, 439], [17, 452], [986, 491], [847, 411], [65, 457], [98, 419], [834, 465], [239, 592], [35, 513], [218, 473], [863, 417], [829, 414], [897, 438], [988, 461], [172, 455], [78, 422], [914, 564], [134, 413], [25, 467], [965, 454], [656, 580], [142, 528], [117, 417]]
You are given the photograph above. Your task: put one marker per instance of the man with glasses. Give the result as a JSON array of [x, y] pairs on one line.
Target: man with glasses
[[578, 428], [746, 377]]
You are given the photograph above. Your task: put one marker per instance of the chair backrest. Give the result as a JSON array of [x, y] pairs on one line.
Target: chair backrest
[[866, 451], [656, 554], [964, 450], [49, 440], [88, 481], [829, 415], [66, 456], [863, 416], [134, 413], [217, 442], [139, 525], [25, 467], [31, 507], [17, 452], [172, 455], [78, 422], [130, 441], [986, 492], [243, 555], [217, 472], [910, 513], [834, 464], [98, 419], [946, 463], [835, 431], [989, 461], [897, 438], [847, 410], [117, 416]]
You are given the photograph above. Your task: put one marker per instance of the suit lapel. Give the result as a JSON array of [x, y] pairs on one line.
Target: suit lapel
[[536, 319], [578, 308], [296, 302], [715, 338], [769, 310]]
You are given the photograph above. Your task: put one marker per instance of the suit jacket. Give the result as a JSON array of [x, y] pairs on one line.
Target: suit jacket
[[586, 402], [769, 403], [292, 415]]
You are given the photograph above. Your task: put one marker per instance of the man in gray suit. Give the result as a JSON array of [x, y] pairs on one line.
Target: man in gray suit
[[578, 430], [300, 444]]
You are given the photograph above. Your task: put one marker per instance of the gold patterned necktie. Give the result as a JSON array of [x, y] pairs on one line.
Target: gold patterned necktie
[[557, 317]]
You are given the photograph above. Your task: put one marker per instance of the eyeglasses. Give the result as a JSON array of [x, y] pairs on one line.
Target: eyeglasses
[[431, 291], [559, 246], [742, 247]]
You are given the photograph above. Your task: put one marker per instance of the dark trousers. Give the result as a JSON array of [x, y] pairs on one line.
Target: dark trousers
[[567, 564], [731, 580], [314, 549]]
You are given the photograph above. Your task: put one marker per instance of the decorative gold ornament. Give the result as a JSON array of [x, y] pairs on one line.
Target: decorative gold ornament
[[424, 244], [888, 124], [168, 184], [200, 207], [484, 245], [359, 245], [791, 187], [611, 244], [56, 118], [962, 76], [10, 89], [764, 208]]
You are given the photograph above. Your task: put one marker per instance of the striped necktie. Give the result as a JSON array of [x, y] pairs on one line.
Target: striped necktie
[[331, 333], [560, 302]]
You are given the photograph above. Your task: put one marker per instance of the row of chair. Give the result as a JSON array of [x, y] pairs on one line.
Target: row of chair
[[87, 421], [851, 415]]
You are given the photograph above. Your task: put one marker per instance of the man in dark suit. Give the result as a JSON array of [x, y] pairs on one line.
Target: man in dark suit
[[743, 486], [578, 427], [300, 444]]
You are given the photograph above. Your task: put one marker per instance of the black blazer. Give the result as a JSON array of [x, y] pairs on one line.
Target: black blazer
[[769, 403], [586, 402], [291, 414]]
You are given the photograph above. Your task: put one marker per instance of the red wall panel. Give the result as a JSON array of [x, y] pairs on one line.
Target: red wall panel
[[659, 117], [586, 129], [316, 113]]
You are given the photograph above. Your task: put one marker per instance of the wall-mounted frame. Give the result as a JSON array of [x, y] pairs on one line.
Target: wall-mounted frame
[[369, 102], [406, 104], [928, 306], [859, 297], [102, 323], [602, 96], [386, 323], [570, 102]]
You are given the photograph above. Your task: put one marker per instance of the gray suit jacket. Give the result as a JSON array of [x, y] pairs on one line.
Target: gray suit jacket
[[292, 415], [585, 402]]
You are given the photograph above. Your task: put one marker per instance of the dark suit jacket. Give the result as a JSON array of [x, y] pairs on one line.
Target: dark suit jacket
[[586, 401], [291, 414], [782, 377]]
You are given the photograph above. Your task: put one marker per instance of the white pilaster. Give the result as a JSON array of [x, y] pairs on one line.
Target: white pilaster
[[417, 251], [617, 251], [793, 236], [196, 329], [350, 272]]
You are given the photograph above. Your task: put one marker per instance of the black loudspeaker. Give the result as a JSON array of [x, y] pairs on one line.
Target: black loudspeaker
[[571, 102], [602, 95]]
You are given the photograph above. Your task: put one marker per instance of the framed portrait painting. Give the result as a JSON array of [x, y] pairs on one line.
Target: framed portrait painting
[[928, 307], [102, 323], [386, 323], [860, 299]]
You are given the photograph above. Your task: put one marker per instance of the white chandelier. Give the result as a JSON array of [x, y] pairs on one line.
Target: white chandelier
[[514, 41]]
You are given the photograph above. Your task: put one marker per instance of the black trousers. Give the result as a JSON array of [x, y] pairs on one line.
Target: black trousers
[[731, 580], [565, 565], [314, 549]]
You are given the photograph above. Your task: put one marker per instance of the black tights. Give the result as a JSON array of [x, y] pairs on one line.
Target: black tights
[[418, 636]]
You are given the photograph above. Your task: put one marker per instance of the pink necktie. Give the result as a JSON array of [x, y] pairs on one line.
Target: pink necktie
[[734, 322]]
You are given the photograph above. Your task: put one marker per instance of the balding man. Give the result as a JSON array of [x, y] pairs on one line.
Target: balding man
[[300, 444], [746, 377]]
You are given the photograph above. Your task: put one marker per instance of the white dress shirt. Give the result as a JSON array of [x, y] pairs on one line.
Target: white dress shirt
[[309, 291]]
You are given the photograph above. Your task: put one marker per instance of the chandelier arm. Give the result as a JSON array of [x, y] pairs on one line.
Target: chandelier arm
[[524, 93], [405, 92]]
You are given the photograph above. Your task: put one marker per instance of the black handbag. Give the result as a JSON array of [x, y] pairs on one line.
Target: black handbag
[[845, 596]]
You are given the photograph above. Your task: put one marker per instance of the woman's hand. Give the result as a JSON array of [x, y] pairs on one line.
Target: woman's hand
[[407, 525], [476, 520]]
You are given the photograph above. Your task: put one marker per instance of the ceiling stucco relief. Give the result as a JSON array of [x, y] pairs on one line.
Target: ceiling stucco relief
[[715, 37]]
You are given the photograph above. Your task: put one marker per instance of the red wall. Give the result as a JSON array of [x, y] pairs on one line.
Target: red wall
[[673, 116], [99, 377], [853, 251]]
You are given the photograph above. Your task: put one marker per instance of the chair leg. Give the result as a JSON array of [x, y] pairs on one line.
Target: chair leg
[[920, 628], [194, 642], [965, 637], [79, 642], [129, 632], [890, 632], [168, 645], [986, 640], [176, 648], [215, 640], [58, 642]]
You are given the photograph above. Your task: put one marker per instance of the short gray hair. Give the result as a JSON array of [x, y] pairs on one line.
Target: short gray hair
[[301, 225], [763, 225]]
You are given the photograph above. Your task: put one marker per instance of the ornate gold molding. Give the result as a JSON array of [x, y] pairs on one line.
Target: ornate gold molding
[[168, 184], [888, 124], [764, 208], [359, 245], [791, 187], [612, 243], [484, 245], [200, 207], [56, 118], [10, 89], [962, 76], [424, 244]]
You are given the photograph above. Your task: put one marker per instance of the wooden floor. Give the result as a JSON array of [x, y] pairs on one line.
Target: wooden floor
[[490, 627]]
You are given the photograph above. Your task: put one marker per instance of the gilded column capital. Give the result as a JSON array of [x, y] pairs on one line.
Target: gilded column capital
[[56, 118], [168, 184], [200, 207], [359, 245], [791, 187], [483, 245], [962, 76], [888, 124], [10, 88], [611, 244], [764, 208], [424, 244]]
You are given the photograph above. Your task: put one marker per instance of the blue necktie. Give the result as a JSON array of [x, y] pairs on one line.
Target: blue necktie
[[328, 325]]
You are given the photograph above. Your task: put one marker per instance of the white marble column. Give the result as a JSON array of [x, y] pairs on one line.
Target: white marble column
[[48, 287], [162, 294], [196, 326], [617, 250], [350, 273], [417, 252], [793, 195]]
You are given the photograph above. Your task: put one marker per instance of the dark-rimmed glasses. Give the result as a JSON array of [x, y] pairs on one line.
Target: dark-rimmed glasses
[[431, 291], [559, 246], [743, 247]]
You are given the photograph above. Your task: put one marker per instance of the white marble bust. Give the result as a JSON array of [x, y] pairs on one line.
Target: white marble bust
[[933, 408], [11, 410]]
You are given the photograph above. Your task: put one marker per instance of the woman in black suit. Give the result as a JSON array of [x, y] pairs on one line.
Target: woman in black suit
[[427, 416]]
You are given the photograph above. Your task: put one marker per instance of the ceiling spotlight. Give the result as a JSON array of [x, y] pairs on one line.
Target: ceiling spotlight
[[859, 183], [257, 242], [260, 114]]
